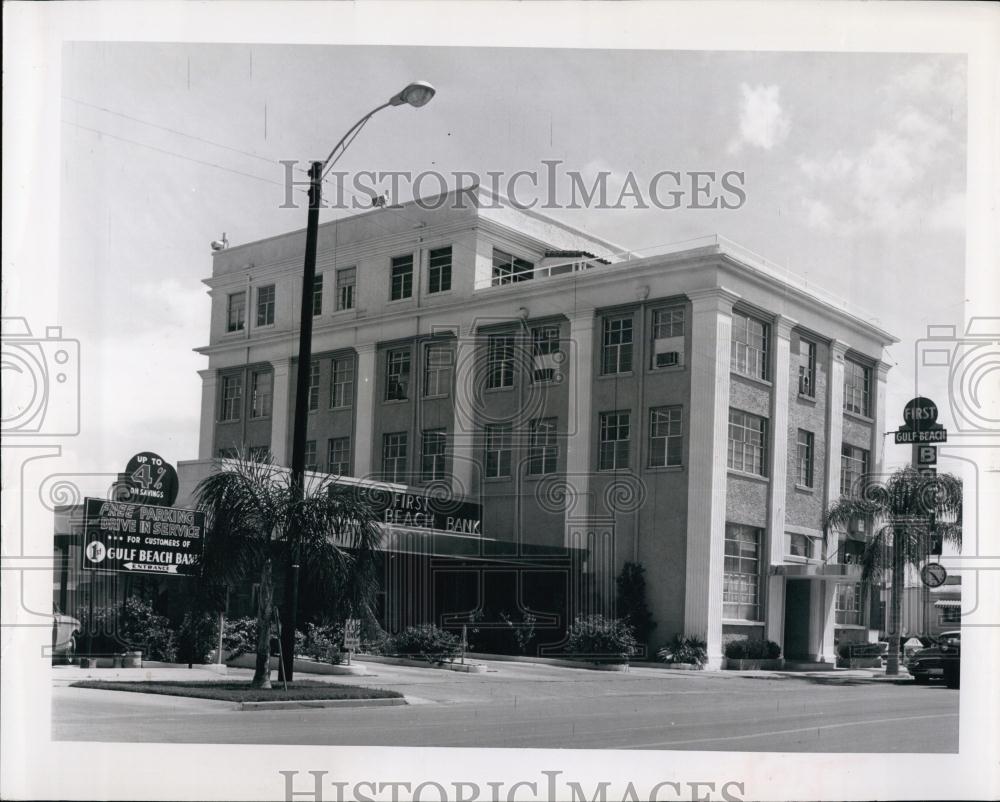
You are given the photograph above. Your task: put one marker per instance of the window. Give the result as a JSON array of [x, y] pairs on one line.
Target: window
[[265, 305], [798, 545], [804, 443], [341, 382], [741, 578], [261, 391], [317, 295], [346, 279], [543, 451], [668, 337], [546, 349], [748, 354], [498, 450], [394, 457], [853, 466], [951, 615], [402, 277], [397, 374], [508, 268], [432, 455], [848, 604], [232, 397], [747, 442], [439, 270], [228, 453], [857, 388], [665, 437], [258, 453], [314, 385], [807, 368], [338, 455], [311, 455], [614, 450], [236, 312], [500, 368], [437, 370], [616, 355]]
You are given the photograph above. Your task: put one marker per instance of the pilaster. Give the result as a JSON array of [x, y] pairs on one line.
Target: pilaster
[[579, 416], [834, 434], [364, 411], [280, 415], [209, 413]]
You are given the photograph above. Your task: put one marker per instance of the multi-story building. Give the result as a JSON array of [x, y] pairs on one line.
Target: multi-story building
[[695, 410]]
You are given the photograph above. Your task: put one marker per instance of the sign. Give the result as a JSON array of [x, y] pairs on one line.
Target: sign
[[933, 575], [929, 436], [926, 455], [142, 538], [352, 634], [419, 511], [927, 471], [920, 423], [149, 479]]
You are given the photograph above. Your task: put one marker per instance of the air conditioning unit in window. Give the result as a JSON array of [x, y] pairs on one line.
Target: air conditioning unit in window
[[668, 359], [804, 385], [547, 367], [668, 351]]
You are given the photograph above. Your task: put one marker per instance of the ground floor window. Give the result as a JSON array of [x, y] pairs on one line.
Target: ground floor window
[[741, 580], [849, 604]]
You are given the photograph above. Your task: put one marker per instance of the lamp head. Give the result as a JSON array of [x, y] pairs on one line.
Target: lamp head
[[416, 94]]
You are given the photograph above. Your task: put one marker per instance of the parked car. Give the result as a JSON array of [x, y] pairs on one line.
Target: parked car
[[951, 657], [65, 630], [930, 662]]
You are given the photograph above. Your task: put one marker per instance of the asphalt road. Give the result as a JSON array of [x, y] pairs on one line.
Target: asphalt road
[[534, 706]]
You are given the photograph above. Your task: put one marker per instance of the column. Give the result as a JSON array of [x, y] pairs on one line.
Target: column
[[881, 375], [834, 431], [209, 413], [464, 411], [828, 615], [579, 417], [364, 411], [280, 410], [777, 490], [711, 332]]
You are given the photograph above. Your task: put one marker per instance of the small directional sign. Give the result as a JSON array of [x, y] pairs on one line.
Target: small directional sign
[[933, 575], [352, 634]]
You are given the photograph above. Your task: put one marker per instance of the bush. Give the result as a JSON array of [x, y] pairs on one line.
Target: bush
[[425, 642], [322, 643], [239, 637], [753, 649], [601, 638], [131, 625], [689, 651], [632, 601], [523, 631], [197, 637]]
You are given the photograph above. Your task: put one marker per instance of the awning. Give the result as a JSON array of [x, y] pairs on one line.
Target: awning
[[822, 572], [948, 603]]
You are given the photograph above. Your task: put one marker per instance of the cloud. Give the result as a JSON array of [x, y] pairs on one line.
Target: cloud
[[763, 123]]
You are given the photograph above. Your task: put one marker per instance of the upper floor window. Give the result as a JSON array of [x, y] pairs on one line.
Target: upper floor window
[[261, 391], [500, 367], [807, 368], [546, 350], [498, 450], [665, 437], [318, 295], [439, 270], [741, 573], [747, 442], [615, 445], [668, 337], [748, 354], [265, 305], [799, 545], [805, 445], [853, 467], [432, 458], [437, 370], [236, 311], [232, 398], [508, 268], [857, 388], [394, 449], [341, 382], [314, 385], [543, 449], [616, 352], [346, 279], [397, 374], [338, 454], [402, 277]]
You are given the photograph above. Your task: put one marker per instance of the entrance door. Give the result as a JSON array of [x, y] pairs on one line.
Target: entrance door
[[796, 620]]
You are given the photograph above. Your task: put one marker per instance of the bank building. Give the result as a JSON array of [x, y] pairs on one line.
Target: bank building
[[542, 406]]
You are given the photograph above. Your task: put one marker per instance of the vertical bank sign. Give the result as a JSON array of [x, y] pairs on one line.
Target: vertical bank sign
[[142, 538]]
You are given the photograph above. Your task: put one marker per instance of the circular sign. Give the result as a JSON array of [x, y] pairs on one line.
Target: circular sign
[[151, 480], [95, 551], [920, 413], [933, 575]]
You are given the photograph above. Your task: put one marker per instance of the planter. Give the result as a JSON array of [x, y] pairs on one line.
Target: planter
[[301, 664], [132, 660], [735, 664]]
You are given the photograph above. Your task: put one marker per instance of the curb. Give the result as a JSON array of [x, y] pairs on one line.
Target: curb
[[320, 703], [463, 668]]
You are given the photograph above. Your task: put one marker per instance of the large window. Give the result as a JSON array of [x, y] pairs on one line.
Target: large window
[[439, 270], [807, 368], [394, 447], [747, 442], [498, 450], [437, 370], [615, 445], [508, 269], [857, 388], [318, 295], [848, 605], [853, 466], [341, 382], [665, 437], [397, 374], [265, 305], [232, 397], [668, 337], [261, 391], [236, 311], [347, 277], [402, 277], [432, 456], [314, 385], [545, 349], [500, 368], [741, 578], [310, 455], [748, 352], [805, 445], [543, 450], [616, 353], [338, 455]]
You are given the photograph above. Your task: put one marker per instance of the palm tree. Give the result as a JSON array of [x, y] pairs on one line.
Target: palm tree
[[256, 517], [906, 512]]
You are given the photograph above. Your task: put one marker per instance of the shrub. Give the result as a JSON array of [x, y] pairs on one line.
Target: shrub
[[753, 649], [322, 642], [523, 631], [197, 637], [425, 642], [690, 651], [632, 601], [239, 637], [601, 638]]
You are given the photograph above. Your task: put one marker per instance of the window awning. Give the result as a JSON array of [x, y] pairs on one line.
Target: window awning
[[824, 572], [948, 603]]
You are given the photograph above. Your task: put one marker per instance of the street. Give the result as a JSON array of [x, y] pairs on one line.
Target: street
[[527, 705]]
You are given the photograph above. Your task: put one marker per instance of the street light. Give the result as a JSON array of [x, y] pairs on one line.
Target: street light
[[416, 94]]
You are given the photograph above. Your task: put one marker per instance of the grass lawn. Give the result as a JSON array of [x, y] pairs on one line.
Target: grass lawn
[[242, 692]]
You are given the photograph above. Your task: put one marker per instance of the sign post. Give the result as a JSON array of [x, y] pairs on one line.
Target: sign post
[[352, 636]]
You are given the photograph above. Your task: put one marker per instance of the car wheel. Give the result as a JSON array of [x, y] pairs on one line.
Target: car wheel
[[921, 679], [70, 652]]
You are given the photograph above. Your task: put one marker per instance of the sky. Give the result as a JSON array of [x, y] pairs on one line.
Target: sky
[[854, 173]]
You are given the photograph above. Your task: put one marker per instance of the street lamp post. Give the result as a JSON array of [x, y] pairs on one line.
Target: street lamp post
[[416, 94]]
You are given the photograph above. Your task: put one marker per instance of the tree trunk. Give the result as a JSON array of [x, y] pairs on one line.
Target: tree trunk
[[896, 603], [265, 599]]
